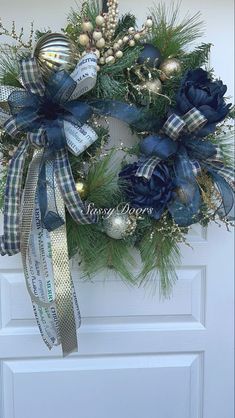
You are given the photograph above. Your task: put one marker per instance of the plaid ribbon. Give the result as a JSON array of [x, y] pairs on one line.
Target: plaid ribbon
[[10, 241], [191, 122], [146, 170]]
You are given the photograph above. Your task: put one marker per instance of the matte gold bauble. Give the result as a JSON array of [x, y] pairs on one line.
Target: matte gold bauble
[[81, 188], [54, 52], [169, 68], [152, 86]]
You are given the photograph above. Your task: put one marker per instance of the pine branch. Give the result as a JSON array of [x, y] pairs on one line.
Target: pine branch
[[129, 58], [99, 252], [9, 65], [197, 58], [107, 86], [125, 22], [170, 34], [103, 182], [160, 251]]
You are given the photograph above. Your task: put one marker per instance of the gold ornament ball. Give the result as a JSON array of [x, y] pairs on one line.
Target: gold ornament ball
[[169, 68], [81, 188], [55, 52], [152, 86]]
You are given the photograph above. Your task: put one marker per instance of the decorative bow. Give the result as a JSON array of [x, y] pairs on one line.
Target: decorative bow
[[190, 155], [55, 122]]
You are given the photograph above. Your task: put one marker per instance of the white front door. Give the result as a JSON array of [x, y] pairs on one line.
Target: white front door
[[139, 357]]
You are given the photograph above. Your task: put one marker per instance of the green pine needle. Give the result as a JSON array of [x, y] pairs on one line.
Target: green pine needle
[[161, 252], [102, 182], [9, 66], [98, 251], [170, 34], [197, 58], [129, 58], [125, 22]]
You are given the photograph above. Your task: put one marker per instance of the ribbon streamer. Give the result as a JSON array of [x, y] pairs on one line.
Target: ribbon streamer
[[53, 121]]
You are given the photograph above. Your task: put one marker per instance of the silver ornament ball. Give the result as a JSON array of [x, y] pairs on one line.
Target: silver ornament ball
[[119, 225], [55, 52]]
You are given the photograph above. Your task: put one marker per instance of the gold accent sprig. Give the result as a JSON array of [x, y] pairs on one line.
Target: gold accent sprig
[[18, 37]]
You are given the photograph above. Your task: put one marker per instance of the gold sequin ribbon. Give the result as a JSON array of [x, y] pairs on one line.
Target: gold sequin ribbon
[[60, 260]]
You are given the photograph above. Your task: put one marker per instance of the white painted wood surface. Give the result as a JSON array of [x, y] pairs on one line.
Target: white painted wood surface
[[139, 357]]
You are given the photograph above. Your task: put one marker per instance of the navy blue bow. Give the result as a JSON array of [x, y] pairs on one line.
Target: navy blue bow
[[189, 156]]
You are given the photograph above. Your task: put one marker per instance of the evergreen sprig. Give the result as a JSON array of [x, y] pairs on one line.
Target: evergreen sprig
[[9, 66], [125, 22], [170, 34], [160, 252], [98, 251], [197, 58], [103, 183]]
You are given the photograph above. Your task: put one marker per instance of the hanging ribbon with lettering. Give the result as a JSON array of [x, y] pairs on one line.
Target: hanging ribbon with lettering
[[55, 123]]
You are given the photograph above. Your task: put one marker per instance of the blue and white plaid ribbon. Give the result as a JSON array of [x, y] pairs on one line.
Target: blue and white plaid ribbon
[[146, 170], [192, 121]]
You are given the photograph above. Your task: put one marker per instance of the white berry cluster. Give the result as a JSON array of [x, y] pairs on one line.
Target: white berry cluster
[[102, 40]]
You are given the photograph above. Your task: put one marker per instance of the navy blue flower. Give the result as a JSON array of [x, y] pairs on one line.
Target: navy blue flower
[[198, 90], [155, 193]]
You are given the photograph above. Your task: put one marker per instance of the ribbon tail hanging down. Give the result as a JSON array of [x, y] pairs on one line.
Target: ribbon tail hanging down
[[64, 290], [63, 303]]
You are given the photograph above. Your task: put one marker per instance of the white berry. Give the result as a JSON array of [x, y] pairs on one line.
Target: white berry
[[131, 30], [149, 23], [97, 35], [87, 26], [110, 60], [110, 51], [83, 39], [99, 20], [119, 54], [100, 43], [132, 43]]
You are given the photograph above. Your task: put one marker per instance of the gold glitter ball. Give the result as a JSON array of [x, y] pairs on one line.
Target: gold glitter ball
[[169, 68]]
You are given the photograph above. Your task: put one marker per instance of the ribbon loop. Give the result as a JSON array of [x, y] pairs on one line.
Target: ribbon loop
[[31, 77], [192, 121]]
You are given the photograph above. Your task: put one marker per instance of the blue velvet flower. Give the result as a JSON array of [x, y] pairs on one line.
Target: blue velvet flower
[[155, 193], [198, 90]]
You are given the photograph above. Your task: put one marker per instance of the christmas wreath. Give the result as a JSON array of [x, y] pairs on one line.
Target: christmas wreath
[[64, 189]]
